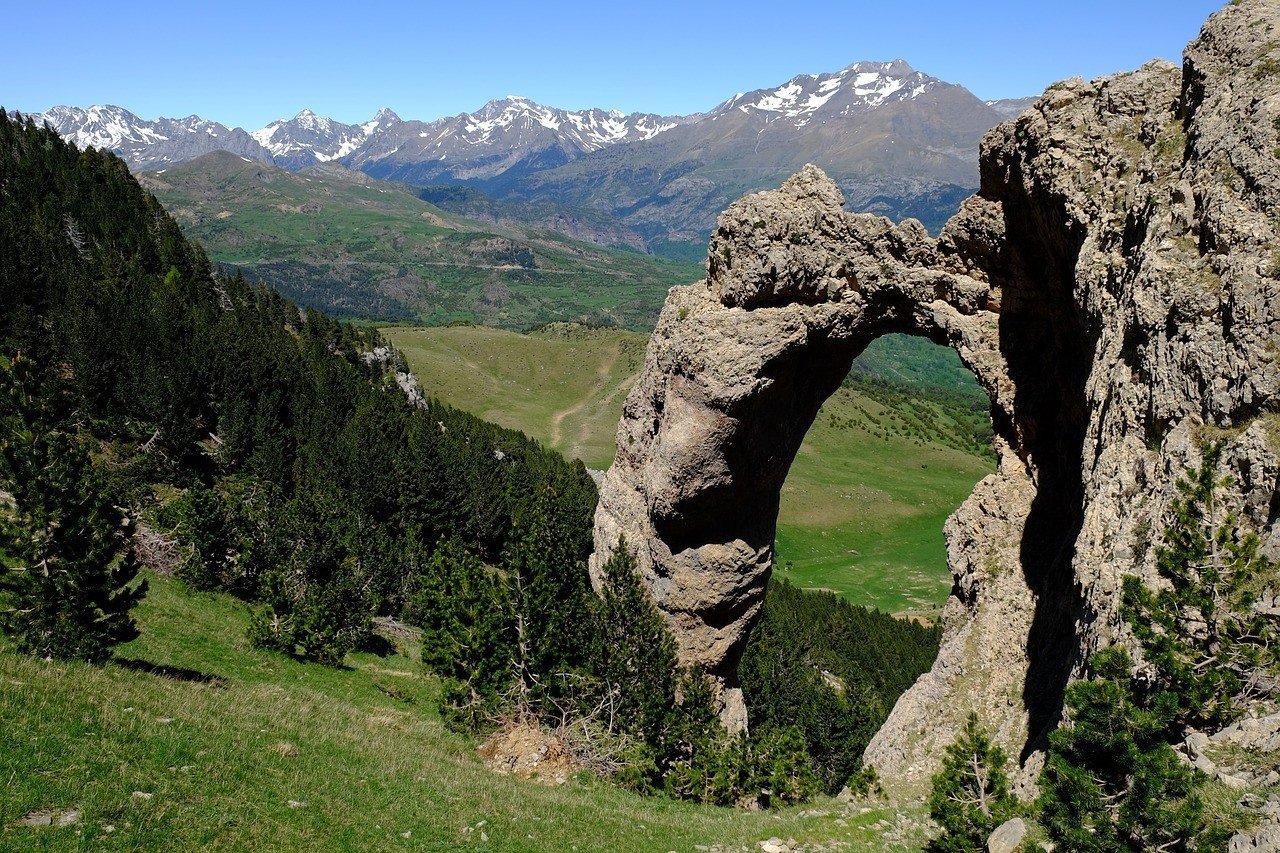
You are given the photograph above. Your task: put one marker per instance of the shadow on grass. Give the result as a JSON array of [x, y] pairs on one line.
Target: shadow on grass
[[176, 673]]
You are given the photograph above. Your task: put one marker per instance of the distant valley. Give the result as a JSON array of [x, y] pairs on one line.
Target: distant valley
[[899, 142], [338, 240]]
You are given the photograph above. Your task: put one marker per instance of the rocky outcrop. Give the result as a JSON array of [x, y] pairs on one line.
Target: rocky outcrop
[[1115, 288]]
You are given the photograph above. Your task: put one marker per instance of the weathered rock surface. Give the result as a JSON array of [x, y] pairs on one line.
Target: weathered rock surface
[[1008, 836], [1114, 286]]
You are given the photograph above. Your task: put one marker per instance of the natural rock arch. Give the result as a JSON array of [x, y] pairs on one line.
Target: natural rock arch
[[1112, 287]]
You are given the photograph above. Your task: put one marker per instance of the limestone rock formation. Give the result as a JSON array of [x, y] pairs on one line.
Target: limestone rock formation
[[1114, 286]]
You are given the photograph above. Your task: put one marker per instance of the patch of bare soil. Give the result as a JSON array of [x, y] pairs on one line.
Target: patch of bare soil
[[527, 751]]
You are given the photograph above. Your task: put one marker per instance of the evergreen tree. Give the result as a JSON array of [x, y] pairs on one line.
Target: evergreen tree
[[318, 606], [66, 592], [833, 670], [970, 796], [551, 599], [637, 655], [679, 744], [464, 613], [1201, 634], [1111, 780]]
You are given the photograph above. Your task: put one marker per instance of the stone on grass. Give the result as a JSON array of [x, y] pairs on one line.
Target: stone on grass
[[1007, 837]]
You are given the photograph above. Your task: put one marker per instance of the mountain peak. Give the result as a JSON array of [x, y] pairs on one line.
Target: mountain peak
[[863, 85], [894, 67]]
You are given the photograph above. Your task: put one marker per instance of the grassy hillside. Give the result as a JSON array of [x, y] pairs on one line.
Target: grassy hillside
[[342, 242], [230, 748], [563, 385], [863, 507]]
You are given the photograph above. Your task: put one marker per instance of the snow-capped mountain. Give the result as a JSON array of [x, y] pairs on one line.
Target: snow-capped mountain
[[899, 141], [513, 137], [498, 122], [1011, 107], [861, 87], [510, 136], [149, 144], [308, 139], [511, 133]]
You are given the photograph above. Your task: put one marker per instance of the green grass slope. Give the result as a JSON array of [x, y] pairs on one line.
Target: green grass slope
[[863, 507], [563, 385], [342, 242], [230, 748]]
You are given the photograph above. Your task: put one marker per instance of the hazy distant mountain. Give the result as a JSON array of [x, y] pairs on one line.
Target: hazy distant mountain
[[1011, 107], [898, 141]]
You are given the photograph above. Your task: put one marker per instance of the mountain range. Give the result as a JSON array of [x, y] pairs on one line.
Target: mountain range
[[898, 141]]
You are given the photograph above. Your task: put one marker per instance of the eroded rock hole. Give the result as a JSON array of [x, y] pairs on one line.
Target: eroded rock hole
[[893, 451], [853, 615]]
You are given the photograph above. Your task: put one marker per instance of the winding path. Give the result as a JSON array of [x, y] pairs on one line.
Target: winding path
[[603, 373]]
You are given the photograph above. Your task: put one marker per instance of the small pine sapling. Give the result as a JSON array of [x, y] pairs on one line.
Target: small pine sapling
[[970, 796]]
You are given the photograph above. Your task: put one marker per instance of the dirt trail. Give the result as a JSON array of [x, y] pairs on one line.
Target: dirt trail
[[603, 373]]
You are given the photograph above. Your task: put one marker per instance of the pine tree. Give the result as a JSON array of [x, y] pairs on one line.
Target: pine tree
[[970, 795], [551, 599], [1201, 634], [637, 652], [463, 611], [66, 592], [1111, 780]]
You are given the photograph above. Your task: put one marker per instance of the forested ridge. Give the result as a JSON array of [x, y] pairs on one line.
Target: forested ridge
[[298, 444], [269, 451]]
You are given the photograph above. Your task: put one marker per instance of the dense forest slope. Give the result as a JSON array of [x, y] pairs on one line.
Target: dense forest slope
[[293, 420]]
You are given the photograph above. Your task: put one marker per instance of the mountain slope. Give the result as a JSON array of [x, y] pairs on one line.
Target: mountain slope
[[247, 750], [895, 139], [338, 240]]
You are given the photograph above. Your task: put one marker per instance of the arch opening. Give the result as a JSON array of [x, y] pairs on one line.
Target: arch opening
[[891, 454]]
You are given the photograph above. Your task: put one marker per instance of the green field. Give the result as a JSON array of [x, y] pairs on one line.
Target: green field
[[862, 509], [233, 748]]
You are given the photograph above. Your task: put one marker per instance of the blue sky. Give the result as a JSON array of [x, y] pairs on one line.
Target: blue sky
[[248, 63]]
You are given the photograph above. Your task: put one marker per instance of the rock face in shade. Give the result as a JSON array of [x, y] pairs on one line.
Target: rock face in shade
[[1113, 286]]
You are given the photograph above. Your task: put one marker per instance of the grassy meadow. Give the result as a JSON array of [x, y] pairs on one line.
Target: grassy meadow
[[863, 506], [192, 740]]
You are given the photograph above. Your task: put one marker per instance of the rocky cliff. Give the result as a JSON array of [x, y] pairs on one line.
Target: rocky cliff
[[1114, 286]]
